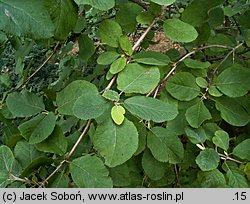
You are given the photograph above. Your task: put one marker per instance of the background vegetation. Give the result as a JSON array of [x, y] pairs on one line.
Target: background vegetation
[[125, 93]]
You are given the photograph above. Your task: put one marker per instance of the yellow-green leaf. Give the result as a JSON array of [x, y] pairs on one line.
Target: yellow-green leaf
[[117, 114]]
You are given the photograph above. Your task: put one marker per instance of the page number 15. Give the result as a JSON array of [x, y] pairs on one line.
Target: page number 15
[[240, 196]]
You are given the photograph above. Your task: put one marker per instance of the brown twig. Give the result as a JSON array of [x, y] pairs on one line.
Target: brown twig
[[42, 65], [139, 41], [69, 155], [136, 45], [224, 157], [173, 70], [218, 66]]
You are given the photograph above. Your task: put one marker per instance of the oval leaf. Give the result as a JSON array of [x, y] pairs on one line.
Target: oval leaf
[[56, 143], [208, 160], [195, 64], [136, 78], [234, 81], [89, 106], [151, 58], [116, 144], [90, 172], [38, 128], [107, 58], [151, 108], [221, 139], [197, 114], [67, 97], [28, 104], [110, 32], [179, 31], [232, 112], [182, 86], [242, 150], [26, 18], [117, 114], [154, 169], [165, 146], [118, 65]]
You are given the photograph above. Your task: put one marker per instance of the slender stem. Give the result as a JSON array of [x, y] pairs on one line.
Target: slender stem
[[79, 139], [224, 157], [110, 84], [139, 41], [69, 155], [173, 70], [218, 66], [136, 45], [42, 65]]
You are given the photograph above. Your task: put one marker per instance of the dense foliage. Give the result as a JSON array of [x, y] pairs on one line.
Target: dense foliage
[[86, 102]]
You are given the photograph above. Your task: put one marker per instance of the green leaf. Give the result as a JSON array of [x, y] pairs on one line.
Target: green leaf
[[26, 18], [182, 86], [35, 165], [7, 165], [154, 169], [117, 114], [89, 105], [201, 82], [179, 31], [165, 146], [136, 78], [242, 150], [38, 128], [126, 45], [195, 64], [221, 139], [63, 23], [216, 17], [144, 18], [56, 143], [67, 97], [232, 112], [126, 16], [118, 65], [120, 175], [86, 47], [234, 81], [99, 4], [90, 172], [212, 179], [110, 32], [107, 58], [197, 12], [116, 144], [26, 153], [236, 177], [28, 104], [197, 114], [60, 180], [164, 2], [142, 131], [81, 23], [178, 124], [208, 160], [151, 58], [6, 159], [151, 108], [213, 91], [196, 136], [111, 95]]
